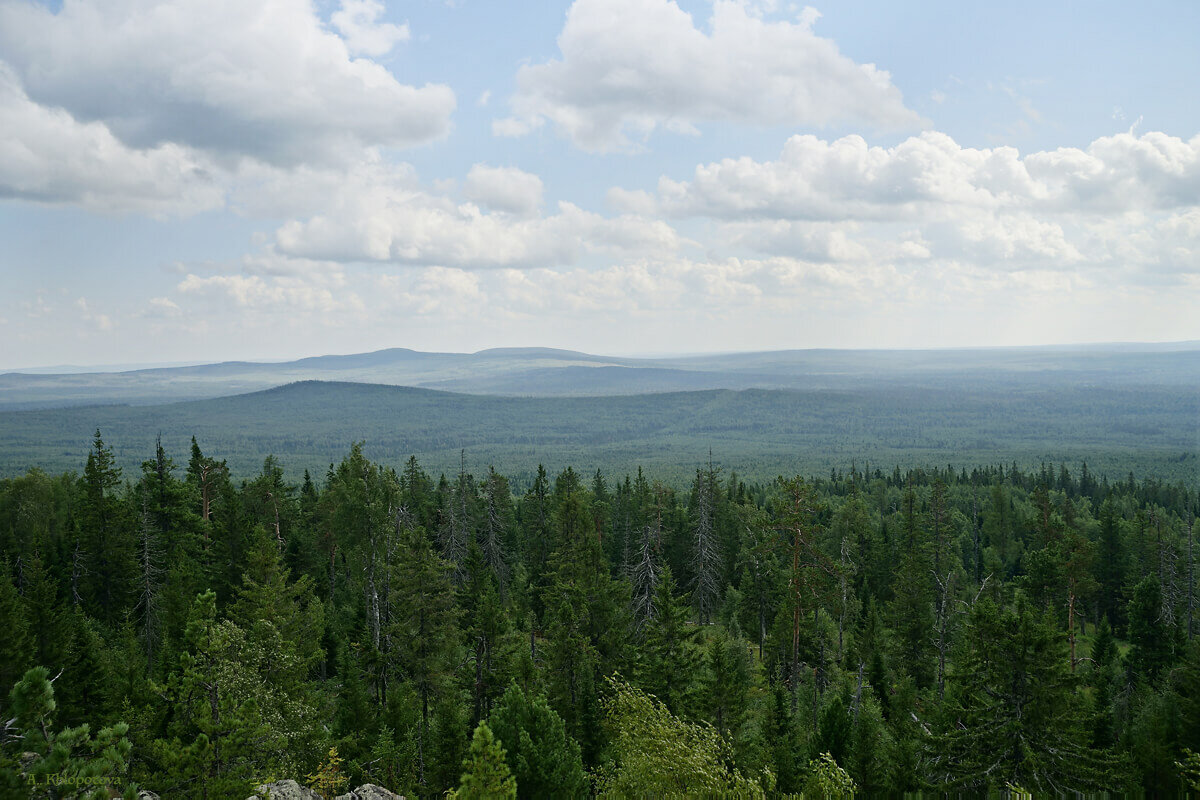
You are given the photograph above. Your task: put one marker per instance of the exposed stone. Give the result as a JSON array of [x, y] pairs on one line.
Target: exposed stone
[[369, 791], [290, 790], [285, 790], [146, 794]]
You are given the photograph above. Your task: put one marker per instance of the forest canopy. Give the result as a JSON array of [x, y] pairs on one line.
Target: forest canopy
[[942, 630]]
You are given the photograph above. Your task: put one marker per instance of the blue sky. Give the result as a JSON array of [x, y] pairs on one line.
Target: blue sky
[[208, 180]]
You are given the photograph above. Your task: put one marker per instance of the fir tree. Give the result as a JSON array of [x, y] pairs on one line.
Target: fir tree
[[485, 624], [911, 611], [497, 526], [726, 681], [1151, 640]]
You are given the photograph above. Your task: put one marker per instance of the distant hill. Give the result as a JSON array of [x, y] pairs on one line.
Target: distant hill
[[545, 372], [1116, 428]]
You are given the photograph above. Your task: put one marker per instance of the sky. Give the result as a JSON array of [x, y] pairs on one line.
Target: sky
[[204, 180]]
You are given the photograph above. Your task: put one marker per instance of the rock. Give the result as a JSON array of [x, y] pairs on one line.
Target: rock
[[369, 791], [146, 794], [285, 790], [290, 790]]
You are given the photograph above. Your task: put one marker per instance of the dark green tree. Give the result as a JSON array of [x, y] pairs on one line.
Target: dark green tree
[[15, 651], [669, 656], [424, 627], [105, 537], [1014, 714], [544, 760], [1151, 640]]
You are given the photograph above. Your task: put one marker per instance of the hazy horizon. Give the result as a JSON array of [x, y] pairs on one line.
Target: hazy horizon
[[648, 355]]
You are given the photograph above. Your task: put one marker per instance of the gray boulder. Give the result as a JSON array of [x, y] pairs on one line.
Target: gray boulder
[[369, 791], [285, 790]]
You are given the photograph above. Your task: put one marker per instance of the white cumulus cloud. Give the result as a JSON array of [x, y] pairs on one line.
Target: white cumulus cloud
[[631, 66], [394, 221], [358, 23], [47, 156], [232, 78], [504, 188]]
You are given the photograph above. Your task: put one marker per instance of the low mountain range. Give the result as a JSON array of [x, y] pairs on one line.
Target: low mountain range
[[544, 372], [1119, 408]]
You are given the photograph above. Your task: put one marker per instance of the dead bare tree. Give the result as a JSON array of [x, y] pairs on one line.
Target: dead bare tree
[[706, 551], [945, 587], [644, 577], [148, 584]]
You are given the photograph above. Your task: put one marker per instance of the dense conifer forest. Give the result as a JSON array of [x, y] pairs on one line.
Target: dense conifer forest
[[951, 630]]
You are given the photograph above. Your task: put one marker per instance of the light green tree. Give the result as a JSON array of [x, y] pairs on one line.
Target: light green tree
[[485, 773], [656, 754], [828, 781], [1189, 769]]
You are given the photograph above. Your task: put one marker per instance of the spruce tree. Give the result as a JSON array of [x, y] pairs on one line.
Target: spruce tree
[[424, 628], [911, 612], [106, 537], [15, 643], [49, 625], [725, 682], [1014, 714], [485, 624], [669, 656], [1151, 639]]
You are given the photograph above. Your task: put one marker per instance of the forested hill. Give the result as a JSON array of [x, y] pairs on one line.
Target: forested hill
[[544, 372], [1149, 430]]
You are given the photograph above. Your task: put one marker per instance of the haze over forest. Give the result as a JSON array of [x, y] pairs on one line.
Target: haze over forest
[[1121, 408]]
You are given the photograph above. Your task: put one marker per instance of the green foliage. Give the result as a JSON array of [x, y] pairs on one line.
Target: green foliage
[[827, 780], [329, 779], [656, 753], [218, 736], [485, 773], [66, 763], [265, 623], [669, 657], [726, 681], [544, 760], [1014, 715], [424, 627], [1189, 769], [14, 645], [1152, 645]]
